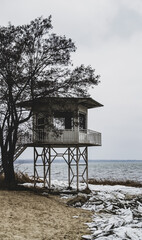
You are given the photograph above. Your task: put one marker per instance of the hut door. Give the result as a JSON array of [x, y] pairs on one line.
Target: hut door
[[68, 121], [40, 128]]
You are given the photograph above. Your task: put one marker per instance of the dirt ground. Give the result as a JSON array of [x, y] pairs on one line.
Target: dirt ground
[[26, 215]]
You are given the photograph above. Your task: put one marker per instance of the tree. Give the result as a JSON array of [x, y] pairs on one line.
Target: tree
[[34, 62]]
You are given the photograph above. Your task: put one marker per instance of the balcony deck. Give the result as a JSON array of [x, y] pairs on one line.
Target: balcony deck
[[64, 138]]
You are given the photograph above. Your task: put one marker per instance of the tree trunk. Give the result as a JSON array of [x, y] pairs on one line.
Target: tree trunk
[[8, 168]]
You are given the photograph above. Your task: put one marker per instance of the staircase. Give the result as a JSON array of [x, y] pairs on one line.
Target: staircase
[[18, 152]]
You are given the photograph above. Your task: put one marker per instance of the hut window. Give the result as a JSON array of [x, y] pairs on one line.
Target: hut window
[[63, 120], [82, 121], [59, 123]]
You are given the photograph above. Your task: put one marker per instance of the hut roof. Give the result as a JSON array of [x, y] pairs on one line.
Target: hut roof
[[87, 102]]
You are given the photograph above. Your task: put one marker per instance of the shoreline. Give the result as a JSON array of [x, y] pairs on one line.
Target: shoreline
[[114, 211]]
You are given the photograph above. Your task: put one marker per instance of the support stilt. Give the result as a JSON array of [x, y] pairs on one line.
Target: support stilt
[[75, 157], [34, 168], [69, 178], [77, 168], [49, 168], [87, 167], [44, 166]]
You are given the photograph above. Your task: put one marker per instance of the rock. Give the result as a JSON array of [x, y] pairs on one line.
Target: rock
[[45, 194], [86, 191], [86, 237], [78, 200]]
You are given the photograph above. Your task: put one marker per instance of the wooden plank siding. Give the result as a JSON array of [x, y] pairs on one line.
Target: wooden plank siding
[[65, 137]]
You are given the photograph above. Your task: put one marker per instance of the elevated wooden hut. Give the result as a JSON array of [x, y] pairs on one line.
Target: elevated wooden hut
[[60, 123]]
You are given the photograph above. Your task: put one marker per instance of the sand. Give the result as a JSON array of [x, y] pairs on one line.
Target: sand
[[26, 215]]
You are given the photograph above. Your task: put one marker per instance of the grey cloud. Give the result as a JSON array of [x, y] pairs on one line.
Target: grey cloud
[[126, 23]]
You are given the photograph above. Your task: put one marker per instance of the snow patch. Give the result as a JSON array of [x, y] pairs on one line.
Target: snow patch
[[117, 210]]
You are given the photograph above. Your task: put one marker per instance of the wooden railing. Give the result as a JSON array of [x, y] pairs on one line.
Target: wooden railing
[[63, 137]]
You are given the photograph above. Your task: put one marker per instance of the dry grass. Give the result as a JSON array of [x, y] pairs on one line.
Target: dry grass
[[27, 215], [128, 183], [21, 177], [24, 178], [48, 215]]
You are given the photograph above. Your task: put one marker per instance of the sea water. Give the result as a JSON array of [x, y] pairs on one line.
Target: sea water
[[98, 169]]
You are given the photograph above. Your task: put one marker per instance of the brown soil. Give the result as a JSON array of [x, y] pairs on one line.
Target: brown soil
[[26, 215]]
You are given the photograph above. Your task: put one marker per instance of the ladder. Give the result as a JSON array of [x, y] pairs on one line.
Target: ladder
[[19, 150]]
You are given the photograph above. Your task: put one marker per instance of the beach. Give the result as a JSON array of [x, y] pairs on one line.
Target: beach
[[104, 213], [26, 215]]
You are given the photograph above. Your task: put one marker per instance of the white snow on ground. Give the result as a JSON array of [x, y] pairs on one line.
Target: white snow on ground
[[117, 211]]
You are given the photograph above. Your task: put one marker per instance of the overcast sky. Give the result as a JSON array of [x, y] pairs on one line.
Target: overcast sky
[[108, 36]]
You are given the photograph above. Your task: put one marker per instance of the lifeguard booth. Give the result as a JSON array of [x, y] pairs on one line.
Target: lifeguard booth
[[60, 130]]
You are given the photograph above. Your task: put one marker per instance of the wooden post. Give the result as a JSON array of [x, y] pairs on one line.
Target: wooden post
[[87, 166], [77, 169], [34, 167], [49, 167], [44, 167], [69, 181]]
